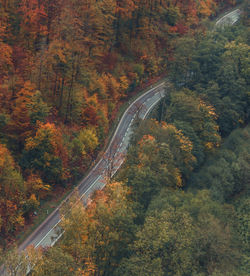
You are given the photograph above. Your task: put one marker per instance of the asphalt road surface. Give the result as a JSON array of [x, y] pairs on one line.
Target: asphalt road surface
[[49, 231], [229, 19]]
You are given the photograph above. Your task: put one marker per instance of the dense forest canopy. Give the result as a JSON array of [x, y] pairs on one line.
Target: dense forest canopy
[[65, 67], [180, 203]]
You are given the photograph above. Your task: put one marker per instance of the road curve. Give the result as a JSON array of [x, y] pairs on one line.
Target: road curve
[[229, 19], [49, 231]]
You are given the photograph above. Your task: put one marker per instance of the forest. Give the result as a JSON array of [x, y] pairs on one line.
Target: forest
[[180, 204], [65, 69]]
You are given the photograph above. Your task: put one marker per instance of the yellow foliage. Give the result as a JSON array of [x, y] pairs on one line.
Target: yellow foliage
[[124, 83], [112, 85], [19, 220], [88, 138], [92, 100], [35, 186], [178, 180], [5, 158], [209, 145], [45, 132], [206, 7]]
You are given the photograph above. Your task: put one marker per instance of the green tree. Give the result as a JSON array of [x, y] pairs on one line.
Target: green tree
[[15, 262], [101, 233], [54, 262], [44, 154], [226, 173], [81, 150], [12, 194], [183, 67], [150, 167], [184, 234], [39, 109], [199, 114], [179, 145]]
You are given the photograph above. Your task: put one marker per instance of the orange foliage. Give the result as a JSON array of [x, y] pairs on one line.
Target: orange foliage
[[84, 57], [125, 8], [35, 186], [206, 8], [32, 25], [20, 120], [49, 139]]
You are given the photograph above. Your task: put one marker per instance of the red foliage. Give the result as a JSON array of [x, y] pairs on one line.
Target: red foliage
[[181, 28], [90, 116], [109, 61]]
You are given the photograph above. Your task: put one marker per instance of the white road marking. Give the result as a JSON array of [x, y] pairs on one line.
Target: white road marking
[[47, 234], [60, 219], [232, 16], [97, 164], [90, 186]]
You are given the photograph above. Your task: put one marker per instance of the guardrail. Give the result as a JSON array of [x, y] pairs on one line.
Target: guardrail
[[229, 19]]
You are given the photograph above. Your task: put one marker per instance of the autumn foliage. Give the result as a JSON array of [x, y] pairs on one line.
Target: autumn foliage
[[64, 68]]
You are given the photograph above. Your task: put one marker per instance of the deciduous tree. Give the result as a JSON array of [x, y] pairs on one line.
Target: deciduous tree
[[12, 194]]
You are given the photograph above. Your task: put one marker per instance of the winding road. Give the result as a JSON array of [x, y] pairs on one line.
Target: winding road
[[229, 19], [49, 231]]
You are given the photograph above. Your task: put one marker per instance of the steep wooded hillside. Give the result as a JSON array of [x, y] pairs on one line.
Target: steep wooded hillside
[[65, 66]]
